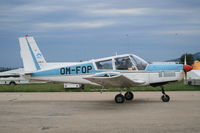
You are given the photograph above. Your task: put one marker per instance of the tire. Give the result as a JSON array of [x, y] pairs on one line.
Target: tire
[[82, 87], [165, 98], [189, 82], [12, 83], [129, 95], [119, 98]]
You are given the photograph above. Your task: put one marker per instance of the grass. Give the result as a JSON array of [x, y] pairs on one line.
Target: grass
[[58, 87]]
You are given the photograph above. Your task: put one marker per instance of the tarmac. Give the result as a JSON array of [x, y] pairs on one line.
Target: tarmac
[[93, 112]]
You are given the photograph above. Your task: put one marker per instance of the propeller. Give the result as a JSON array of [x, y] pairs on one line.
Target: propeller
[[185, 60], [186, 67]]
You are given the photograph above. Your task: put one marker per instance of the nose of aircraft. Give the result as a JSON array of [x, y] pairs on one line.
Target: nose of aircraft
[[187, 68]]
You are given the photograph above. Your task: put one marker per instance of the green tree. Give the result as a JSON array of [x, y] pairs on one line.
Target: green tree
[[189, 59], [198, 59]]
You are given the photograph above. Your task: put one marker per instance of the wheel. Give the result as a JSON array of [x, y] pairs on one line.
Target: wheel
[[82, 87], [165, 98], [189, 82], [119, 98], [129, 95], [12, 83]]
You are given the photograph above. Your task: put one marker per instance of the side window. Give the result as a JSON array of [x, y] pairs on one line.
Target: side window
[[124, 63], [107, 64]]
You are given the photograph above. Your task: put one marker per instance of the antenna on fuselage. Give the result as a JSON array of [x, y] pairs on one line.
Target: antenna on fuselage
[[116, 53]]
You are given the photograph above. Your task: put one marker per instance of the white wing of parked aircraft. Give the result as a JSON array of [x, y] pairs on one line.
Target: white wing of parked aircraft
[[12, 73]]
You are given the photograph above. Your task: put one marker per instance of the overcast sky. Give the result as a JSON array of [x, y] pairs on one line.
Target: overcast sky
[[74, 30]]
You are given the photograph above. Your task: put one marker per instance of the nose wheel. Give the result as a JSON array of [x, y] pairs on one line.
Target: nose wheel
[[119, 98], [164, 97]]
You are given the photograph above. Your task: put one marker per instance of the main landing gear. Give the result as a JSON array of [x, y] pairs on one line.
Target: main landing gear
[[119, 98], [164, 97]]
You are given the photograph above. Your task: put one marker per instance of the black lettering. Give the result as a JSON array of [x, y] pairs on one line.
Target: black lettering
[[68, 70], [84, 69], [77, 69], [89, 68], [62, 71]]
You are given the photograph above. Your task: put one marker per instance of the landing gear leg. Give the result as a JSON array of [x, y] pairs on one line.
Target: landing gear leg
[[164, 97]]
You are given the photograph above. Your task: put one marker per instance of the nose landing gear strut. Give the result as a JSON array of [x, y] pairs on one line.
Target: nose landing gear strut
[[164, 97]]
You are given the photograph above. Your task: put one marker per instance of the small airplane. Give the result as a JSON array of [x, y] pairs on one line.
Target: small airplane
[[120, 71]]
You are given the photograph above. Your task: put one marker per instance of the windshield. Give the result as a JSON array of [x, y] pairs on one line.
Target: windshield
[[140, 63]]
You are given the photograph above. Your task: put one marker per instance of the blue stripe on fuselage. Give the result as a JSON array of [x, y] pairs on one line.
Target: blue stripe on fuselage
[[164, 67], [68, 70]]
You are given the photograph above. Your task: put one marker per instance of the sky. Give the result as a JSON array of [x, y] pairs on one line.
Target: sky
[[74, 30]]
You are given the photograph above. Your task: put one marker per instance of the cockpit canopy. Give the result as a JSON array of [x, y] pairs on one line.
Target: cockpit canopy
[[122, 62]]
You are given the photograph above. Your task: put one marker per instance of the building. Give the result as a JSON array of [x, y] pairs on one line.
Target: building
[[193, 77]]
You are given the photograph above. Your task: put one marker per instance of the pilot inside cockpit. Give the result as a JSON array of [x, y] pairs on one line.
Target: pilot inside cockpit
[[124, 64]]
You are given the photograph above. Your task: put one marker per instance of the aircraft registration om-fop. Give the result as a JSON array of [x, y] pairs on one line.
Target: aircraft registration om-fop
[[76, 70], [121, 71]]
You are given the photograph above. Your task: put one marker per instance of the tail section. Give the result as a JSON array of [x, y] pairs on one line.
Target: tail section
[[32, 57]]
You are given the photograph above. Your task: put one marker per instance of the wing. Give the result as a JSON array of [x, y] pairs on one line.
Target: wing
[[114, 80], [7, 75]]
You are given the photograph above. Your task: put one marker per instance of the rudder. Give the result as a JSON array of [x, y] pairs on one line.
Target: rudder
[[32, 57]]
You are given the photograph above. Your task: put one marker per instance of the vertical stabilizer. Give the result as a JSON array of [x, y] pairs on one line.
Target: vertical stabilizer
[[32, 57]]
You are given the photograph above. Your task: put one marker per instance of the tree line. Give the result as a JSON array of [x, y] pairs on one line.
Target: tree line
[[189, 59]]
